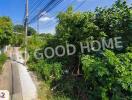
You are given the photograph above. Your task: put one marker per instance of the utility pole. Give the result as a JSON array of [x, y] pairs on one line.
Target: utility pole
[[26, 30]]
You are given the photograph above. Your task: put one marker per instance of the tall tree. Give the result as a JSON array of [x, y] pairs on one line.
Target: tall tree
[[116, 20], [20, 29], [6, 31]]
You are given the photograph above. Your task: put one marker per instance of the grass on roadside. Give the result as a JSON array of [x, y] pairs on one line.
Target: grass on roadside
[[45, 93]]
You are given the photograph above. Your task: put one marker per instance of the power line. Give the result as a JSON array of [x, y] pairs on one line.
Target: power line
[[50, 8], [78, 7], [40, 11], [48, 23], [51, 5], [66, 8], [35, 7], [47, 8], [33, 3]]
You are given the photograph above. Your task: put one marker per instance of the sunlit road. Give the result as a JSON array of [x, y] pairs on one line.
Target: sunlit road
[[17, 80], [16, 84], [25, 88]]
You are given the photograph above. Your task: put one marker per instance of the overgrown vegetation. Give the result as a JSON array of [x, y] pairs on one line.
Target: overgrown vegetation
[[103, 75], [6, 31], [20, 29], [6, 34], [3, 58]]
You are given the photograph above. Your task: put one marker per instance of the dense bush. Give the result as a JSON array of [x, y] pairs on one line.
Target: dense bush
[[6, 31], [109, 76], [48, 71], [103, 75], [3, 58]]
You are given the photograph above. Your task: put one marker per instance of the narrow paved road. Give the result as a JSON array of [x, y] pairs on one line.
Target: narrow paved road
[[17, 80], [16, 83]]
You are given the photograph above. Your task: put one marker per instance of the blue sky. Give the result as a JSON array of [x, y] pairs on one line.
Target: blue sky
[[15, 10]]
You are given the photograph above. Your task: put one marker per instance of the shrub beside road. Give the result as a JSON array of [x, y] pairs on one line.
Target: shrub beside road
[[3, 59]]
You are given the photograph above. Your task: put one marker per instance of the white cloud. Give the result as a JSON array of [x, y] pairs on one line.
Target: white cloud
[[45, 19]]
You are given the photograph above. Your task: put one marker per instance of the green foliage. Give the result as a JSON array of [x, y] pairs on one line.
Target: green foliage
[[76, 27], [105, 75], [20, 29], [31, 31], [109, 75], [6, 31], [61, 98], [47, 71], [3, 58], [18, 39], [36, 42], [115, 21]]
